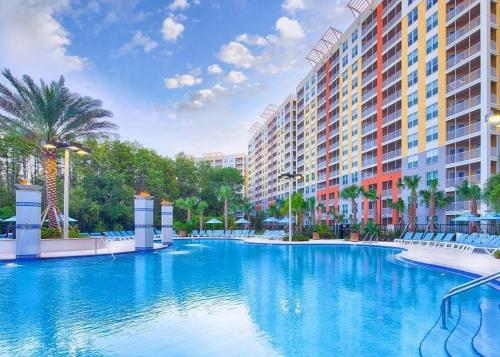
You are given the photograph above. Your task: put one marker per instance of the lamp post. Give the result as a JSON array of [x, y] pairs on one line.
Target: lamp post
[[80, 150], [290, 177]]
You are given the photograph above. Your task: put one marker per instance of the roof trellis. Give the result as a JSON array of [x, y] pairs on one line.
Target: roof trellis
[[323, 46], [358, 6]]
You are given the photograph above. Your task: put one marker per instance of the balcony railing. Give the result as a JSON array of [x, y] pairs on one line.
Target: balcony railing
[[370, 59], [463, 131], [394, 39], [321, 126], [462, 56], [334, 160], [387, 193], [321, 152], [369, 77], [366, 112], [458, 9], [321, 164], [462, 106], [369, 93], [463, 81], [369, 161], [333, 133], [387, 211], [333, 174], [463, 30], [369, 144], [463, 156], [392, 135], [458, 181], [368, 128], [391, 154], [493, 19], [393, 96], [391, 60], [458, 206], [392, 78], [334, 146], [391, 117]]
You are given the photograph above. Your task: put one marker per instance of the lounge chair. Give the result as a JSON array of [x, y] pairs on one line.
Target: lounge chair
[[425, 239], [3, 236], [195, 233], [437, 238], [406, 238], [10, 235], [131, 234], [251, 233]]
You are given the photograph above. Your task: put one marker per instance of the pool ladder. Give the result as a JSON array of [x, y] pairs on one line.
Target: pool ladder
[[461, 289]]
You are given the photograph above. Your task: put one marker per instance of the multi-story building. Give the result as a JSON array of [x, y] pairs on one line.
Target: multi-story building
[[237, 161], [405, 90], [271, 152]]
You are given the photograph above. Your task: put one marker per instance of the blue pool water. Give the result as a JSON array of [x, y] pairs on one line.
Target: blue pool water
[[224, 298]]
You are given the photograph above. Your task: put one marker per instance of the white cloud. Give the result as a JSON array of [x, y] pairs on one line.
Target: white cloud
[[236, 54], [138, 40], [289, 29], [171, 29], [214, 69], [292, 5], [182, 80], [236, 77], [32, 39], [179, 5], [202, 98], [252, 39]]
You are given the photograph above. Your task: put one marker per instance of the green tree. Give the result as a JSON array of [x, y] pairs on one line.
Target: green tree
[[433, 199], [49, 113], [200, 209], [299, 209], [473, 194], [320, 207], [399, 206], [225, 193], [491, 192], [352, 193], [188, 205], [372, 196], [311, 208], [411, 183]]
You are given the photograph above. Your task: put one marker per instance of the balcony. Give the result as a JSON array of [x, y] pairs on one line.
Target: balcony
[[333, 174], [387, 193], [369, 60], [321, 139], [369, 77], [369, 94], [463, 131], [321, 126], [387, 211], [394, 39], [369, 161], [389, 62], [463, 156], [462, 56], [463, 81], [334, 160], [322, 164], [463, 106], [458, 181], [393, 116], [463, 30], [458, 9], [392, 135], [370, 110], [369, 127], [391, 79], [333, 133], [334, 147], [458, 206], [392, 97], [391, 154], [369, 144], [321, 152]]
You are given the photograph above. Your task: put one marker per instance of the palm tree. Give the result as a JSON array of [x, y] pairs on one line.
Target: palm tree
[[311, 207], [471, 193], [200, 209], [352, 193], [332, 212], [371, 195], [433, 198], [491, 192], [320, 207], [186, 204], [299, 208], [411, 183], [50, 113], [224, 194], [399, 206]]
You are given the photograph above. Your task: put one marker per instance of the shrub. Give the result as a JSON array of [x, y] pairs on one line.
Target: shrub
[[324, 231], [297, 238], [56, 233], [497, 254]]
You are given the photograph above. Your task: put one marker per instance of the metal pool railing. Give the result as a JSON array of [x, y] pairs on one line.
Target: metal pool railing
[[461, 289]]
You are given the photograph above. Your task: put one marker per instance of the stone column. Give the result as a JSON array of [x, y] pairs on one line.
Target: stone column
[[28, 227], [167, 216], [143, 214]]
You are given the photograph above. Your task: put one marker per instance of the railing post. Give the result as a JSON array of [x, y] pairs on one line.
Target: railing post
[[443, 314], [449, 306]]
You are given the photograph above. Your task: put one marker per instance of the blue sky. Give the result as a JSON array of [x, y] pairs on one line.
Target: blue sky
[[179, 75]]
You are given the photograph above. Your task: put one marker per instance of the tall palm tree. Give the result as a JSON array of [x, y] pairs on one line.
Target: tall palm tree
[[311, 208], [371, 195], [224, 194], [433, 199], [352, 193], [473, 194], [50, 113], [411, 183], [320, 207], [200, 209], [188, 205], [399, 206], [299, 208]]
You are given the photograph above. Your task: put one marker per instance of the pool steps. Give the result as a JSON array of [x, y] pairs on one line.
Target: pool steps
[[486, 342]]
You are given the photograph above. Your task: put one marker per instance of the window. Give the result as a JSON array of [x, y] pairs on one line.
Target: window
[[412, 162], [344, 209], [431, 3], [354, 98], [412, 78], [354, 131], [354, 177], [355, 51], [344, 90], [431, 111], [354, 67], [345, 46], [412, 16], [431, 66], [432, 43], [354, 82], [345, 179], [429, 176], [412, 99], [431, 89], [344, 136], [345, 60], [412, 120], [413, 37], [431, 157], [410, 2], [432, 21], [344, 76], [344, 105], [354, 35], [432, 133], [413, 57], [412, 141]]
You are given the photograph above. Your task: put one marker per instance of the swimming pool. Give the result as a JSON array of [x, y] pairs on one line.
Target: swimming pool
[[213, 298]]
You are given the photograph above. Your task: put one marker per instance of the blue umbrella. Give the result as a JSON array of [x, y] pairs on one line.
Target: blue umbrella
[[467, 217], [214, 221], [490, 217], [285, 220], [271, 220], [10, 220], [242, 221]]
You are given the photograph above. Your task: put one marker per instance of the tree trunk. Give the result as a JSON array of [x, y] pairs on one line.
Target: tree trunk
[[473, 210], [354, 211], [201, 221], [225, 213], [189, 214], [432, 213], [50, 170], [413, 212], [313, 215]]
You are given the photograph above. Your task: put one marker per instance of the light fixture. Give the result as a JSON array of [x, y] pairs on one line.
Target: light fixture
[[74, 146], [49, 145]]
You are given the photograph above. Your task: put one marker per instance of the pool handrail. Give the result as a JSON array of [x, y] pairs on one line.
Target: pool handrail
[[461, 289]]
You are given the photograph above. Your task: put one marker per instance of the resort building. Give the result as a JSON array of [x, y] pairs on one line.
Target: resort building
[[237, 161], [406, 89], [272, 152]]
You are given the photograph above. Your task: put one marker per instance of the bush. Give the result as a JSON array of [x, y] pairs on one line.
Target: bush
[[56, 233], [497, 254], [297, 238], [324, 231]]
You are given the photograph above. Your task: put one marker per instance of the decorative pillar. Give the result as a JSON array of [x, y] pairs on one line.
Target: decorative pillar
[[28, 227], [143, 214], [167, 216]]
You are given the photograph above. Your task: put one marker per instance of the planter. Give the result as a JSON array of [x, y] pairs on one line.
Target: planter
[[182, 234], [315, 235], [354, 236]]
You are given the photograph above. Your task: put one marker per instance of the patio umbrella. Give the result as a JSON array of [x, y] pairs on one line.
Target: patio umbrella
[[242, 221], [10, 220], [271, 220], [466, 217], [214, 221], [285, 220], [490, 217]]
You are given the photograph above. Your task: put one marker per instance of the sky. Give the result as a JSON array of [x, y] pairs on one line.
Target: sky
[[179, 75]]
